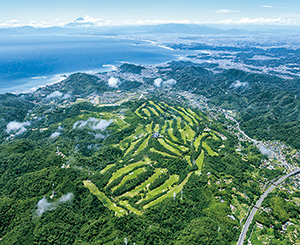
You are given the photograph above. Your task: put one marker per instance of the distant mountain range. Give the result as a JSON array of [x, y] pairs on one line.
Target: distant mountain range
[[80, 27]]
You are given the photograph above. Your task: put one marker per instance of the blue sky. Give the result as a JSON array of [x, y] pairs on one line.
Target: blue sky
[[120, 12]]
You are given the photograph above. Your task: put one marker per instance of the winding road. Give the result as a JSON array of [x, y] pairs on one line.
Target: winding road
[[259, 202]]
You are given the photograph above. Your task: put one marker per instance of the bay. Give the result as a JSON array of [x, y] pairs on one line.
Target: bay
[[32, 61]]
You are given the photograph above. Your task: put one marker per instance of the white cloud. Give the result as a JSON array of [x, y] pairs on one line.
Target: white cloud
[[17, 127], [55, 94], [158, 82], [226, 11], [55, 134], [113, 82], [43, 205], [238, 84], [170, 82], [246, 21], [93, 123], [154, 22], [267, 6]]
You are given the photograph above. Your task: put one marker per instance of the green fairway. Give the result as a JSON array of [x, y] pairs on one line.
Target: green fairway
[[189, 132], [128, 177], [198, 140], [156, 106], [156, 128], [129, 207], [170, 193], [107, 168], [153, 111], [199, 162], [163, 131], [128, 168], [138, 114], [194, 114], [143, 145], [209, 150], [167, 146], [132, 145], [149, 128], [137, 189], [190, 115], [180, 147], [171, 134], [163, 188], [147, 112], [104, 199], [185, 117], [162, 153], [188, 159]]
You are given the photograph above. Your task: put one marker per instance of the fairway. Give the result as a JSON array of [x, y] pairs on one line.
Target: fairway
[[137, 189], [107, 168], [143, 145], [209, 150], [162, 153], [170, 148], [132, 145], [197, 142], [129, 207], [164, 187], [104, 199], [170, 193], [156, 106], [128, 177], [128, 168], [147, 112], [153, 111]]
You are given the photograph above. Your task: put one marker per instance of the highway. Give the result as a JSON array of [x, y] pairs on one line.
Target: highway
[[259, 202]]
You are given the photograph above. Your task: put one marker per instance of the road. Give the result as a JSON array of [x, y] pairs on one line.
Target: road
[[259, 202]]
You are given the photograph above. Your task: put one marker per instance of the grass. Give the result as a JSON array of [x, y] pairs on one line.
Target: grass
[[143, 145], [170, 193], [153, 111], [132, 145], [137, 112], [104, 199], [178, 120], [185, 117], [199, 162], [164, 128], [128, 177], [144, 185], [167, 146], [189, 132], [190, 115], [170, 132], [147, 112], [188, 159], [149, 128], [161, 153], [129, 207], [209, 150], [194, 114], [107, 168], [181, 147], [156, 128], [197, 142], [157, 107], [163, 188], [127, 169]]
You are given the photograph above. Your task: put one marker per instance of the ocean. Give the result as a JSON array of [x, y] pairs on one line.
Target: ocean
[[28, 62]]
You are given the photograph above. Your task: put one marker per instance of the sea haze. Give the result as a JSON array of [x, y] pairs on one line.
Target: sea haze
[[29, 61]]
